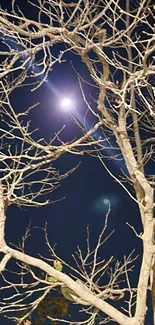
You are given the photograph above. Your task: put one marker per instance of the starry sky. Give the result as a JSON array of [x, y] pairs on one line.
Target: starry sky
[[86, 191]]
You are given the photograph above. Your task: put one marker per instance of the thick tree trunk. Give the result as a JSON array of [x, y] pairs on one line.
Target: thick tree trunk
[[153, 290]]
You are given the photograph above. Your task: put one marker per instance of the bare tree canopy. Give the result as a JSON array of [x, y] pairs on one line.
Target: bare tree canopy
[[115, 42]]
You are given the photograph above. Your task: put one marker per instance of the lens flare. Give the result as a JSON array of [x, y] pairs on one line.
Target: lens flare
[[106, 201]]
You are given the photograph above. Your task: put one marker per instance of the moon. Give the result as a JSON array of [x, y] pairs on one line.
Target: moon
[[66, 103]]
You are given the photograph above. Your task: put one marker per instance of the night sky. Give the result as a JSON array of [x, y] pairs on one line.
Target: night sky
[[84, 190]]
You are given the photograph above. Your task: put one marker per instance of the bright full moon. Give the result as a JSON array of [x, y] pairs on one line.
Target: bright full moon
[[66, 103]]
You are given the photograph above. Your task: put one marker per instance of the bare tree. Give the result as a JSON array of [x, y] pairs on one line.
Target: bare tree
[[116, 42]]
